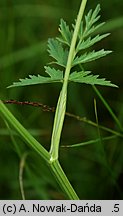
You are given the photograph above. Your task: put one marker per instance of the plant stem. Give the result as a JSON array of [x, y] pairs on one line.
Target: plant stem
[[108, 108], [27, 137], [46, 108], [89, 142], [83, 119], [63, 180], [61, 106], [36, 146]]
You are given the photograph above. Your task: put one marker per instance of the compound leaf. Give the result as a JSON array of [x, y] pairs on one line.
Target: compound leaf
[[87, 78], [91, 18], [56, 51], [65, 32], [54, 76], [91, 56], [90, 41]]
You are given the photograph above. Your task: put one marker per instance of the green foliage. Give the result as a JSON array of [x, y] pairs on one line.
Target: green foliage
[[84, 44], [57, 52], [54, 76], [90, 56], [65, 32], [83, 77], [22, 54], [90, 20], [58, 49]]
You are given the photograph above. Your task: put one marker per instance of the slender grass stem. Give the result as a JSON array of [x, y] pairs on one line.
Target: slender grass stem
[[46, 108], [16, 147], [108, 108], [36, 146], [94, 124], [89, 142], [21, 170], [27, 137]]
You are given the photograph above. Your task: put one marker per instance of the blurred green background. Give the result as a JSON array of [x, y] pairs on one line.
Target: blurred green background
[[25, 26]]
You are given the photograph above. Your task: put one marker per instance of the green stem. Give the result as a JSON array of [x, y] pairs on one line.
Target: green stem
[[36, 146], [89, 142], [61, 106], [27, 137], [108, 108], [63, 180], [51, 158], [83, 119]]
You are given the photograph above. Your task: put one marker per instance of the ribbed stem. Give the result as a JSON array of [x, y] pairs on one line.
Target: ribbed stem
[[36, 146], [61, 106], [62, 180], [27, 137]]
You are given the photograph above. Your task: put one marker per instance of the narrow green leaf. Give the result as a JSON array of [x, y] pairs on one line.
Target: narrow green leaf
[[90, 142], [87, 78], [54, 76], [56, 51], [91, 56]]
